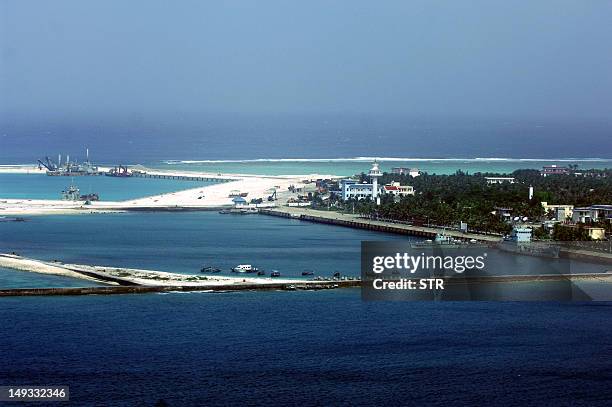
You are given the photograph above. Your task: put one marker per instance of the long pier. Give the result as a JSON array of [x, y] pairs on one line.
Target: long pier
[[341, 219], [180, 177]]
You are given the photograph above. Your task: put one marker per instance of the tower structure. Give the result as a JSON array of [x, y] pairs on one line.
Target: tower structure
[[374, 174]]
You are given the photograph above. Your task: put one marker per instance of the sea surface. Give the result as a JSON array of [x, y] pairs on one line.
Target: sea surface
[[357, 165], [40, 186], [279, 348], [185, 242], [22, 279], [307, 348], [347, 166], [136, 138]]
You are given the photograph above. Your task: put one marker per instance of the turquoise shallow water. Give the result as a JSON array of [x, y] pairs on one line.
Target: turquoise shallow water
[[355, 166], [38, 186]]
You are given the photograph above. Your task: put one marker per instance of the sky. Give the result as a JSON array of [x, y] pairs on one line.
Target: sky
[[159, 62]]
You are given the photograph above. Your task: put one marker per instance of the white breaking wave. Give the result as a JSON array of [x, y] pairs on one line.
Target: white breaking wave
[[384, 159]]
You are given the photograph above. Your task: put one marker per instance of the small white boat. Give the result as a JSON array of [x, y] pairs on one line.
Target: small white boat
[[245, 268]]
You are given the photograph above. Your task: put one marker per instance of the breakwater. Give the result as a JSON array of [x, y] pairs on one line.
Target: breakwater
[[126, 280], [140, 289], [341, 219], [181, 177], [306, 285]]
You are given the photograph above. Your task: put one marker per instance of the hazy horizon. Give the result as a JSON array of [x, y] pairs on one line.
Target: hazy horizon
[[277, 79]]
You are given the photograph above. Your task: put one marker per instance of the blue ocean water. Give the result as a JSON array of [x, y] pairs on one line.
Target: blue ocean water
[[351, 166], [307, 348], [185, 242], [22, 279], [133, 138], [280, 348], [40, 186]]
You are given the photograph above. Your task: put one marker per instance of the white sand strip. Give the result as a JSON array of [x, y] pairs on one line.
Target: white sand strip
[[137, 276], [15, 262]]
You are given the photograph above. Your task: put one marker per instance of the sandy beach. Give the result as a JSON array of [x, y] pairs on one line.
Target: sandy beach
[[128, 276], [212, 196]]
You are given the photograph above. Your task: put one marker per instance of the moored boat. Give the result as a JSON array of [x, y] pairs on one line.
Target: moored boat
[[245, 268]]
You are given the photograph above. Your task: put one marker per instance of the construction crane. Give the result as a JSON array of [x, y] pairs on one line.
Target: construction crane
[[273, 196], [48, 164]]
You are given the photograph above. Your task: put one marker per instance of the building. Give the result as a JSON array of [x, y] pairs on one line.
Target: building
[[561, 212], [398, 190], [504, 213], [593, 213], [594, 233], [413, 172], [239, 201], [521, 235], [554, 170], [499, 180], [351, 189]]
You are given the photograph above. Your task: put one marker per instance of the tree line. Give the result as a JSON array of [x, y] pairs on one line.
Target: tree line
[[446, 200]]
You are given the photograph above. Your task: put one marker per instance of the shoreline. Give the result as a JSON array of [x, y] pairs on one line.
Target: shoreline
[[124, 276], [120, 280], [209, 197]]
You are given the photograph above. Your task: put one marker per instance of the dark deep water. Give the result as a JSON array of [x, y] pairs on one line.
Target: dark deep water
[[279, 348], [308, 348]]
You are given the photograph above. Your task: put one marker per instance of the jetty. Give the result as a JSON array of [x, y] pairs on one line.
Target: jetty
[[354, 221], [156, 175]]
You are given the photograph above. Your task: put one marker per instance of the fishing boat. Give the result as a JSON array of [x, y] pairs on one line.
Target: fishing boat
[[275, 273], [210, 269], [308, 273]]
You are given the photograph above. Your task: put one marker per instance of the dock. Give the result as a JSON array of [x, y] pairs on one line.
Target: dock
[[353, 221], [139, 174]]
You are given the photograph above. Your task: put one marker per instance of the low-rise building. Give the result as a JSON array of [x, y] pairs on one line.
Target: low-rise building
[[504, 213], [594, 233], [351, 189], [398, 190], [593, 213], [500, 180], [554, 170], [521, 235], [561, 212], [413, 172]]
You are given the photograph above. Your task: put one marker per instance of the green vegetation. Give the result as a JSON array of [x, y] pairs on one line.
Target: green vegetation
[[446, 200], [567, 233]]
